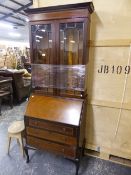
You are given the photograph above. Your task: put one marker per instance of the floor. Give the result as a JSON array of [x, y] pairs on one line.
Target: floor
[[42, 162]]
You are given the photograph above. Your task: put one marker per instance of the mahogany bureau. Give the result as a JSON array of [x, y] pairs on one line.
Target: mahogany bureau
[[55, 114], [55, 124]]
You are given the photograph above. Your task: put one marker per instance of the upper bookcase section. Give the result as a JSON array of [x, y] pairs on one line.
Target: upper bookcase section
[[79, 10], [59, 38]]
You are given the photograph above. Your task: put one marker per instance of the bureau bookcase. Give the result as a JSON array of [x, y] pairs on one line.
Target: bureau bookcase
[[55, 114]]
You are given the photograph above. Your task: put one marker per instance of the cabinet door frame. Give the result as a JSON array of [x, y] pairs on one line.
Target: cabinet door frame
[[55, 25], [56, 37], [86, 35], [31, 38]]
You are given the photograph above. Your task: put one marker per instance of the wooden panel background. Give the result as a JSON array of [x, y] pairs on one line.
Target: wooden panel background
[[109, 105], [107, 88], [41, 3]]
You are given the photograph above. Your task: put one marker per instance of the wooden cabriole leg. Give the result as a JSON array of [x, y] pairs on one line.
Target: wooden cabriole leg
[[77, 163], [26, 153], [78, 160], [26, 147]]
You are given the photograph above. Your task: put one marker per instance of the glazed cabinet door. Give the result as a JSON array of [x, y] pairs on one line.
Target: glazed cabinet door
[[42, 43], [59, 56], [72, 41], [43, 56], [72, 49]]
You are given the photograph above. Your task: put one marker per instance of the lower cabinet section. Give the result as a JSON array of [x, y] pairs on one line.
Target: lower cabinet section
[[60, 131], [53, 137], [65, 150]]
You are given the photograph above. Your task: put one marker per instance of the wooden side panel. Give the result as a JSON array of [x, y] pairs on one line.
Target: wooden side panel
[[122, 140], [127, 94], [108, 120], [107, 74], [100, 126], [35, 3], [111, 20], [107, 131]]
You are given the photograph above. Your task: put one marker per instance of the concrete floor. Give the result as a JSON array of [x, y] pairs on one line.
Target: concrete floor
[[42, 162]]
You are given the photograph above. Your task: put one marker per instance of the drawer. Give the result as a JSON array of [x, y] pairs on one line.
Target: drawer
[[67, 151], [53, 127], [52, 136]]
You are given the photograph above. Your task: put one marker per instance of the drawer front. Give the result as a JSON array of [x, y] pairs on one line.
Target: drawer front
[[53, 127], [64, 150], [52, 136]]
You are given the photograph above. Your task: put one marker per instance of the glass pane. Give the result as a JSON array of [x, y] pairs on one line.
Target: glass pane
[[71, 43], [44, 76], [42, 43]]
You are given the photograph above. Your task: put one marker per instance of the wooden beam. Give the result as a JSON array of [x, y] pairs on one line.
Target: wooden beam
[[16, 11], [18, 18], [9, 8], [16, 2], [15, 23]]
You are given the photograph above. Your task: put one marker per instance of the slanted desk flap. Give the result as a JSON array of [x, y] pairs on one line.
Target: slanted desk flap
[[61, 110]]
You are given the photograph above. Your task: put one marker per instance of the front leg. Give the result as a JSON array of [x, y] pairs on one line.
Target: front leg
[[27, 155], [77, 163]]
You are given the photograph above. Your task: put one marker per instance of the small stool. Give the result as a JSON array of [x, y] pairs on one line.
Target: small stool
[[15, 131]]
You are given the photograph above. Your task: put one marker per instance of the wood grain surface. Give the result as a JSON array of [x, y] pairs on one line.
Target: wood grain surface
[[56, 109]]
